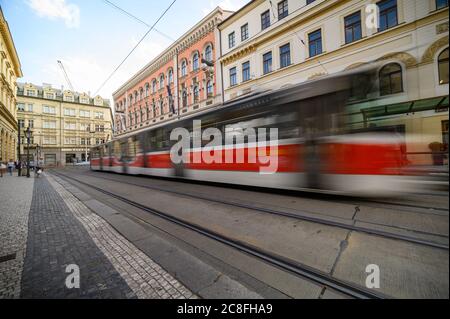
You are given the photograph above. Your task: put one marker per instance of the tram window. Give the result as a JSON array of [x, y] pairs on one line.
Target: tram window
[[132, 147], [95, 153], [285, 122], [160, 139], [116, 149]]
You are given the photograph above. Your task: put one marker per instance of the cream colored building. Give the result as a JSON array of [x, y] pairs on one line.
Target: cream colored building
[[267, 45], [64, 124], [10, 70]]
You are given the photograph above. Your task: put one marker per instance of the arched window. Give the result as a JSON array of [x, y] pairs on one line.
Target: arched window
[[161, 106], [161, 81], [196, 94], [154, 107], [130, 99], [154, 86], [195, 62], [209, 88], [170, 76], [147, 89], [443, 67], [183, 68], [136, 96], [142, 93], [185, 97], [208, 53], [391, 79]]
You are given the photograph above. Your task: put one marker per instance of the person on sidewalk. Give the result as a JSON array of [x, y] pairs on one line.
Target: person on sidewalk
[[2, 168], [10, 167]]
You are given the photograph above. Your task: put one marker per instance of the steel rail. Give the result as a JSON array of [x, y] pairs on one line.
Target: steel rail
[[322, 221], [304, 271]]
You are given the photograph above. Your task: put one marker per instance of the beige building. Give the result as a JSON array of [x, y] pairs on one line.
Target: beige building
[[9, 72], [63, 124], [267, 45]]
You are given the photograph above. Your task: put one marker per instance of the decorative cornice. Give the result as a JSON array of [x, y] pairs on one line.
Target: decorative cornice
[[404, 57], [429, 54], [6, 35], [194, 35], [6, 114], [239, 54]]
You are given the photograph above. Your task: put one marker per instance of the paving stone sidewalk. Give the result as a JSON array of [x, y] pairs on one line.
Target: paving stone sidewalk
[[144, 276], [56, 239], [15, 201]]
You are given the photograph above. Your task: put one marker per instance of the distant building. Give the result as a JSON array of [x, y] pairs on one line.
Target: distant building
[[268, 45], [64, 124], [176, 82], [10, 70]]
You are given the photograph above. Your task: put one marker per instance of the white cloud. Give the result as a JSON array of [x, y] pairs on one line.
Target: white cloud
[[57, 9], [232, 5]]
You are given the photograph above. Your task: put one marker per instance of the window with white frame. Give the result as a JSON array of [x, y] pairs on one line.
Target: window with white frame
[[49, 124], [70, 126], [84, 113], [70, 140], [208, 53], [183, 68], [31, 93], [85, 127], [50, 96], [209, 88], [69, 112], [161, 81], [98, 115], [49, 109], [69, 98], [49, 140], [195, 62], [21, 107]]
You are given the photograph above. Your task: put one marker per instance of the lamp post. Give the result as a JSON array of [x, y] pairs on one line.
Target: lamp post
[[19, 171], [91, 133], [28, 134]]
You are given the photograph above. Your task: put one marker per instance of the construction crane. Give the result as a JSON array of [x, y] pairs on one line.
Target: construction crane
[[65, 75]]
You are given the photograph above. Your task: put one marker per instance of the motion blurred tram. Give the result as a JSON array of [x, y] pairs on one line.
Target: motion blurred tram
[[319, 147]]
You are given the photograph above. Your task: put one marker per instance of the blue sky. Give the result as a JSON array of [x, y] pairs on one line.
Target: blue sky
[[91, 37]]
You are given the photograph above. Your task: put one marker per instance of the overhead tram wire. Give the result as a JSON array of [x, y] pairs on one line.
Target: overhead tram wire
[[134, 48], [137, 19]]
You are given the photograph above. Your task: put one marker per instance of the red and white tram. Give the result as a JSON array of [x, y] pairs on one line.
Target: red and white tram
[[317, 148]]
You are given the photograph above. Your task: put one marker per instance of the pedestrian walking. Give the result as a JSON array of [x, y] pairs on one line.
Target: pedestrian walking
[[10, 167], [2, 168]]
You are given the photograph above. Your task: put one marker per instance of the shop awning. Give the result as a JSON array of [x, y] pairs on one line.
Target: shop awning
[[437, 104]]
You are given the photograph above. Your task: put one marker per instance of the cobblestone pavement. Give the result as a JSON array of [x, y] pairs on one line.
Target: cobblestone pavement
[[15, 201], [56, 239], [145, 277], [44, 229]]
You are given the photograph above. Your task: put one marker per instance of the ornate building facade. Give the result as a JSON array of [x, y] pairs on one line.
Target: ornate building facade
[[181, 80], [10, 70], [63, 124], [268, 45]]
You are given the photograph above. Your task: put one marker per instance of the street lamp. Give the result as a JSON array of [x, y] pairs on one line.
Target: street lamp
[[28, 134], [86, 144], [20, 160]]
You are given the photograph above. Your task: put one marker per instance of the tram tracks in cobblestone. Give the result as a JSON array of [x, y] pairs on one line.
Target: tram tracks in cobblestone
[[303, 271], [322, 221], [332, 223]]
